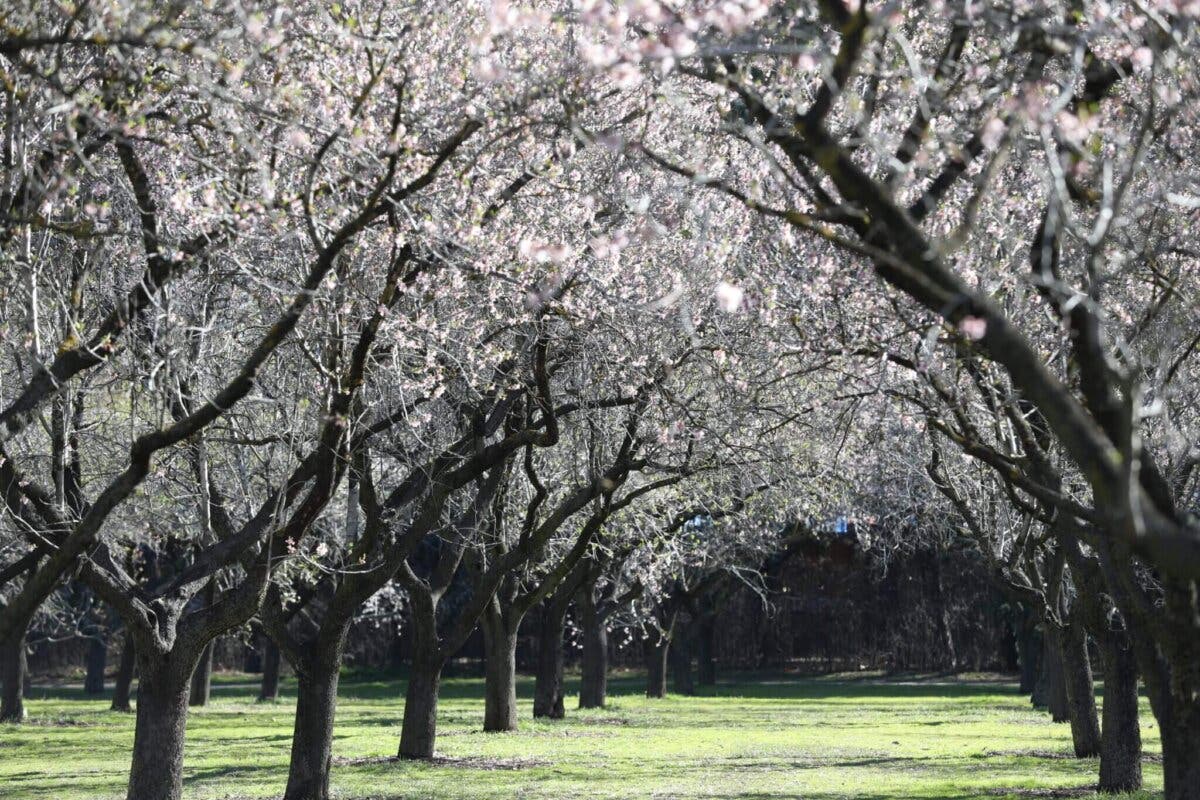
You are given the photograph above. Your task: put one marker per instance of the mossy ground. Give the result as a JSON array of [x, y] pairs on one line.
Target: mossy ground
[[757, 737]]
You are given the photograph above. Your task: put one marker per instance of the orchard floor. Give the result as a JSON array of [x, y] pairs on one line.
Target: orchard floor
[[760, 737]]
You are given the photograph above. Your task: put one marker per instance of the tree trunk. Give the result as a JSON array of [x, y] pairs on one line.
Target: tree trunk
[[706, 656], [202, 677], [312, 734], [655, 648], [681, 665], [1121, 740], [269, 691], [12, 677], [97, 661], [420, 709], [1027, 646], [157, 769], [500, 676], [548, 683], [1055, 687], [593, 683], [124, 680], [1181, 751], [1080, 691]]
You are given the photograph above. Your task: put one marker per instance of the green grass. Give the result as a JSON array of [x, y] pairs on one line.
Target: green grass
[[762, 737]]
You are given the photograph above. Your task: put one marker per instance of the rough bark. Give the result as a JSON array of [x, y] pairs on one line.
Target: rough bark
[[1181, 753], [269, 690], [316, 706], [12, 678], [1121, 740], [201, 688], [420, 709], [124, 679], [500, 676], [157, 769], [96, 662], [1080, 691], [593, 683], [548, 683]]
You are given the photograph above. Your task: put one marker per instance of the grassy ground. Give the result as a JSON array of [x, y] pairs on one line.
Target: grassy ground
[[762, 737]]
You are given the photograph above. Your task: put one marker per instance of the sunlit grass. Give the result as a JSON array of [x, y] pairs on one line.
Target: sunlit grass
[[761, 737]]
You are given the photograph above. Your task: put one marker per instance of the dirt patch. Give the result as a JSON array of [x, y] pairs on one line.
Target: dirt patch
[[462, 762]]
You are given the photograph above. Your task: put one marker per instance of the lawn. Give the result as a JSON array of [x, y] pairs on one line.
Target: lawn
[[761, 737]]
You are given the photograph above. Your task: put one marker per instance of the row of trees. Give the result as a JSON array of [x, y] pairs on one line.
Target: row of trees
[[303, 300]]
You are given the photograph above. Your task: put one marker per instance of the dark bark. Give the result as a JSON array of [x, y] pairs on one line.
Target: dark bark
[[655, 648], [157, 769], [124, 679], [269, 690], [1027, 653], [420, 709], [1181, 753], [202, 677], [1080, 691], [548, 682], [1121, 741], [96, 662], [1055, 687], [706, 658], [13, 669], [500, 677], [316, 705], [593, 683]]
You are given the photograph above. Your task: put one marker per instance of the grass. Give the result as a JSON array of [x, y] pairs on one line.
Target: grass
[[761, 737]]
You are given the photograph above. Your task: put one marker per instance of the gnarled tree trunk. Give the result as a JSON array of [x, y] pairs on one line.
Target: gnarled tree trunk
[[1181, 752], [1121, 739], [1055, 685], [681, 664], [1080, 691]]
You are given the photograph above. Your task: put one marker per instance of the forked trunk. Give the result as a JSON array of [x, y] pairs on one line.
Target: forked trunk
[[1080, 691], [548, 683], [157, 769], [1121, 741], [420, 709]]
